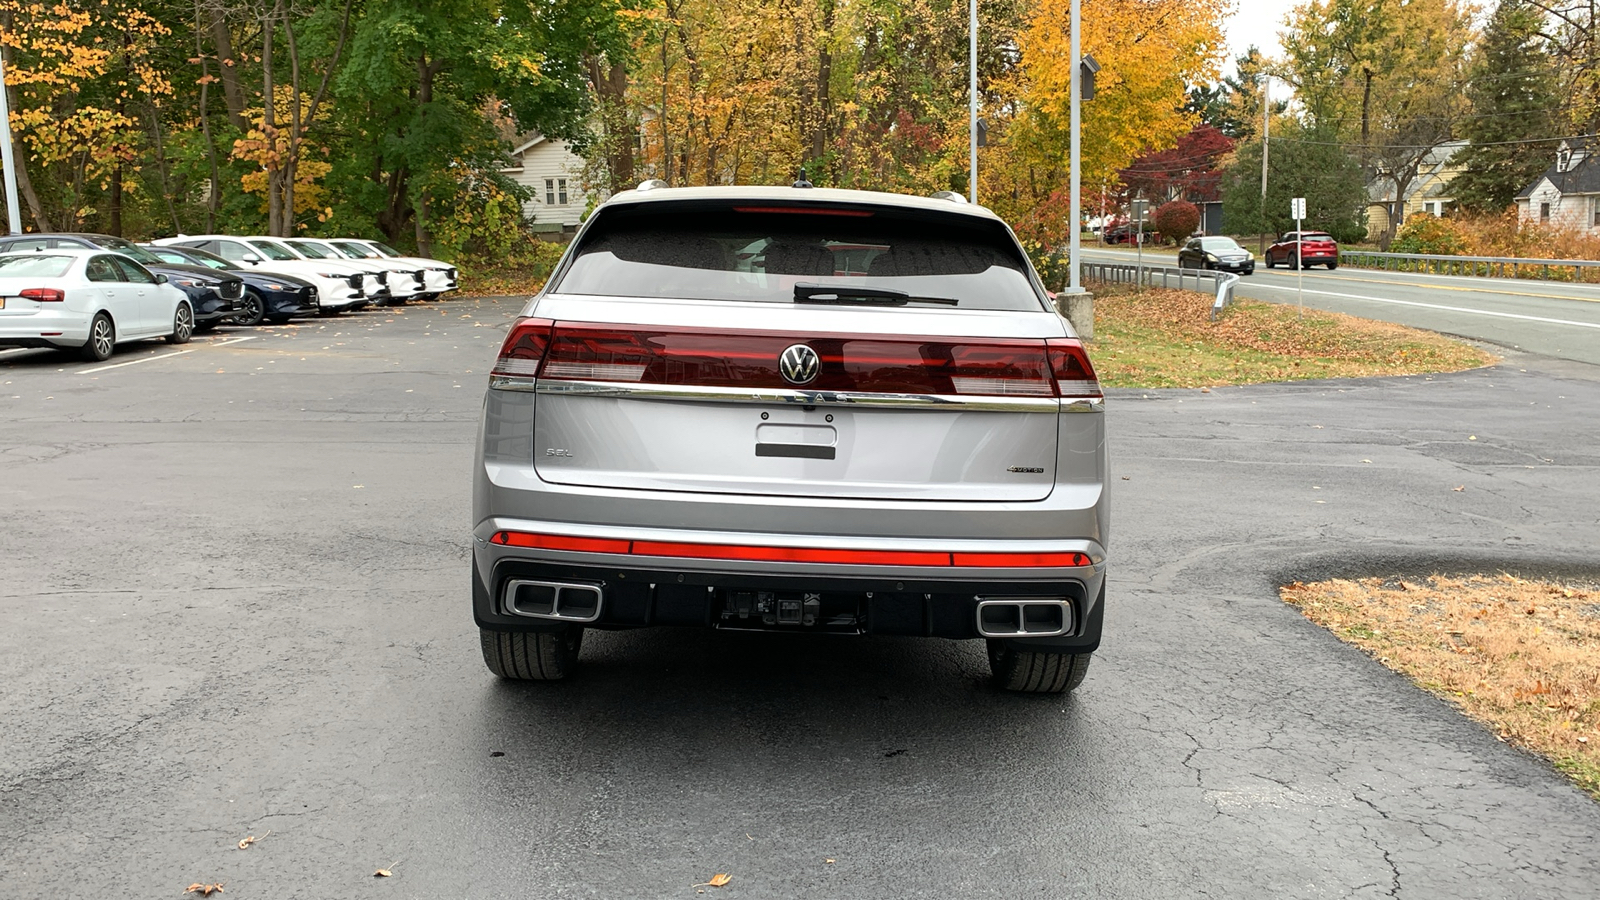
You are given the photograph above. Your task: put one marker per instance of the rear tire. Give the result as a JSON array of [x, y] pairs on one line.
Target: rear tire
[[1294, 263], [1333, 264], [1031, 672], [102, 339], [531, 655]]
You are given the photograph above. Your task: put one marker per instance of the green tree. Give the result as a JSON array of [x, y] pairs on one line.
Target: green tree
[[426, 83], [1304, 163], [1512, 84]]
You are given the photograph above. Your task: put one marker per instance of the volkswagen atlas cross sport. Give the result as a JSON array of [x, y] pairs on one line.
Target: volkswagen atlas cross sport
[[792, 410]]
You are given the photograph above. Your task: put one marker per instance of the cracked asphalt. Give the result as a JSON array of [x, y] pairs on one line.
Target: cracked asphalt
[[234, 602]]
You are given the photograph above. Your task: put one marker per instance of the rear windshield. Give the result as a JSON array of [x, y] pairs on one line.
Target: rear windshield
[[664, 250], [126, 248], [1316, 236], [34, 265], [1218, 243]]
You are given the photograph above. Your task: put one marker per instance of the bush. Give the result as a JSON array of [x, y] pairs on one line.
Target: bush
[[1424, 233], [1052, 265], [1177, 220]]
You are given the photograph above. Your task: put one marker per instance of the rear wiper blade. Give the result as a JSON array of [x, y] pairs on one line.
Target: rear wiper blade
[[863, 296]]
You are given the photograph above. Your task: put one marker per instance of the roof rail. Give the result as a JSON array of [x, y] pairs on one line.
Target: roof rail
[[952, 196], [651, 185]]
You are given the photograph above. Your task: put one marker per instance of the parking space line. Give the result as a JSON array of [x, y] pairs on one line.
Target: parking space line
[[135, 362]]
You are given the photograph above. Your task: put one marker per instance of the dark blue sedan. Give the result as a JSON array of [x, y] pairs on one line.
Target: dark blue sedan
[[269, 297]]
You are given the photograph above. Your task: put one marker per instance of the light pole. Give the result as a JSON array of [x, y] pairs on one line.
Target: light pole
[[972, 102], [13, 213], [1075, 214]]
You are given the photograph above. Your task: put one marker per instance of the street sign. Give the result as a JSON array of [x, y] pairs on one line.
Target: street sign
[[1297, 208], [1140, 211]]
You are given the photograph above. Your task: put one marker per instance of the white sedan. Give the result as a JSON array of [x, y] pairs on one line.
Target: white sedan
[[440, 277], [88, 301]]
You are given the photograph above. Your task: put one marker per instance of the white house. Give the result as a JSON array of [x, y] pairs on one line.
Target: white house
[[1568, 193], [555, 173]]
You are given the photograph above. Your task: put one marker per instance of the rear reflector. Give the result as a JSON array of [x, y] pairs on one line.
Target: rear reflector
[[43, 295], [680, 550], [559, 542]]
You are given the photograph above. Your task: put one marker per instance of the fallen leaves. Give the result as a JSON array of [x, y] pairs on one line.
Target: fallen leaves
[[203, 889], [250, 839], [1459, 488], [387, 871], [718, 880]]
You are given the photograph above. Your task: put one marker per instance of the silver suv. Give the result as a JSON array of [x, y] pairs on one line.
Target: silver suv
[[792, 410]]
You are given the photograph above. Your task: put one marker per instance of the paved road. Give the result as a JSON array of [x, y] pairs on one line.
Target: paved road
[[233, 601], [1550, 318]]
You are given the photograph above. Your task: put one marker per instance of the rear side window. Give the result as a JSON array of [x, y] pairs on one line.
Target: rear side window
[[132, 271], [760, 253], [102, 268], [34, 265]]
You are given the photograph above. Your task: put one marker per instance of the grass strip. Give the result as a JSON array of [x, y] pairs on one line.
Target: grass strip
[[1522, 657], [1165, 338]]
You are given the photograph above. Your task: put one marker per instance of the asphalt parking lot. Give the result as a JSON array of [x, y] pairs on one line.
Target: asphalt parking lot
[[234, 594]]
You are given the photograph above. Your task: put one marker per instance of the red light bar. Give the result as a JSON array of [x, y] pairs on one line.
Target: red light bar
[[791, 554], [804, 211], [684, 550]]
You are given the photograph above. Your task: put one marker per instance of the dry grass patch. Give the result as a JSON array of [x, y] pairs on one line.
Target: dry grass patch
[[1165, 338], [1522, 657]]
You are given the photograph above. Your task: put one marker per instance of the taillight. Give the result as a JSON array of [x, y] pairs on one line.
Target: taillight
[[853, 363], [1074, 375], [44, 295], [524, 348]]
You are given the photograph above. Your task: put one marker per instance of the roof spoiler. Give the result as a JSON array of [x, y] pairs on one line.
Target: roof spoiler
[[951, 196]]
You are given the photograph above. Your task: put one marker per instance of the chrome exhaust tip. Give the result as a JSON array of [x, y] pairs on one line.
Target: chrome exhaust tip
[[1015, 617], [559, 600]]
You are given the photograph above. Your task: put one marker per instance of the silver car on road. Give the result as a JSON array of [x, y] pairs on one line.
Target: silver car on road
[[793, 410]]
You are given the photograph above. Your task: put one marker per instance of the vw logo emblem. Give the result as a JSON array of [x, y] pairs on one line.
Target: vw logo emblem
[[799, 364]]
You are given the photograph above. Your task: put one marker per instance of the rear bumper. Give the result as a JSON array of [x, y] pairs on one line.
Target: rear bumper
[[909, 602], [44, 329], [640, 590]]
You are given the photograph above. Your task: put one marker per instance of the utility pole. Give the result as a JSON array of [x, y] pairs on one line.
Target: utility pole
[[972, 102], [1075, 213], [13, 212], [1266, 129]]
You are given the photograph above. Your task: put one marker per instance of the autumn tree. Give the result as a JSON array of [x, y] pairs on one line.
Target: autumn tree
[[1149, 52], [1384, 76], [1190, 170], [81, 84]]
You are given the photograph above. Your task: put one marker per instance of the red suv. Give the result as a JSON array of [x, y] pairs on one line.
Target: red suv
[[1303, 248]]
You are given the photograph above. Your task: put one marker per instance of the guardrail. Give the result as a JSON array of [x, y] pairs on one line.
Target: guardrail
[[1222, 283], [1481, 266]]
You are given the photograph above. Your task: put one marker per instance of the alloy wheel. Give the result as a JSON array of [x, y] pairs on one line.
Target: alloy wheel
[[183, 323], [103, 337]]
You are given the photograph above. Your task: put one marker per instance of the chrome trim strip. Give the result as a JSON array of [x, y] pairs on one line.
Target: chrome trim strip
[[794, 397]]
